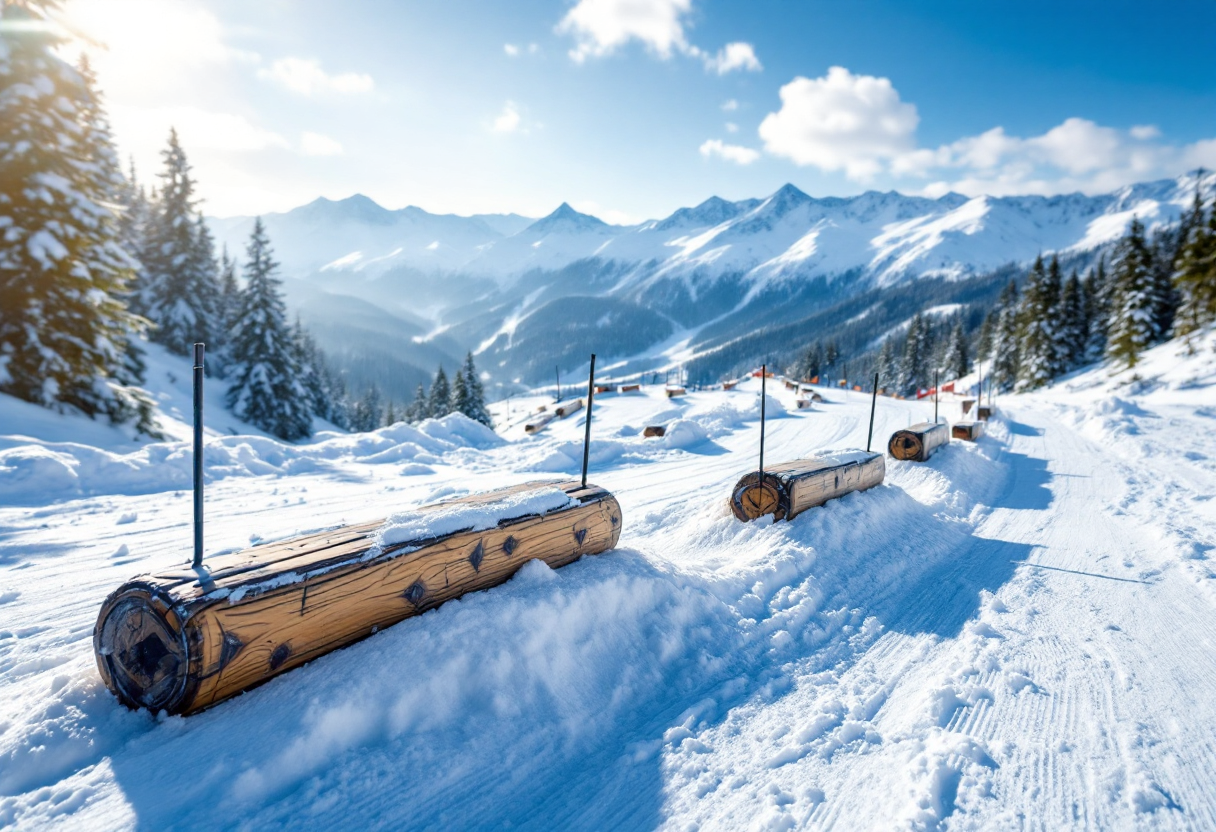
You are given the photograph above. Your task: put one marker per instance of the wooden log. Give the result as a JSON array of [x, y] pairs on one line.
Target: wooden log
[[654, 430], [564, 409], [630, 388], [803, 404], [792, 487], [790, 385], [967, 405], [968, 431], [729, 385], [538, 424], [672, 392], [918, 442], [984, 412], [605, 388], [183, 640]]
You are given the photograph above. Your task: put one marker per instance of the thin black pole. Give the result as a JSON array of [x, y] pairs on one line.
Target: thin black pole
[[873, 405], [936, 393], [763, 378], [198, 454], [587, 433]]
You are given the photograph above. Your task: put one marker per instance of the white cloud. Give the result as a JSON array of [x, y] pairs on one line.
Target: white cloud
[[1144, 132], [511, 49], [734, 56], [306, 77], [315, 144], [731, 127], [731, 152], [841, 121], [508, 120], [730, 105], [198, 129]]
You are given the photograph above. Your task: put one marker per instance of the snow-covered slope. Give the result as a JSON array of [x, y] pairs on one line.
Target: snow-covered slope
[[1017, 633]]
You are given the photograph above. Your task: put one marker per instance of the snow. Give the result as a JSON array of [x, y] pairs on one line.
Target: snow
[[410, 526], [1018, 632]]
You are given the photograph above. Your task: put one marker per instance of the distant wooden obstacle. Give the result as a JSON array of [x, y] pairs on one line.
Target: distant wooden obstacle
[[673, 392], [792, 487], [185, 639], [630, 388], [654, 430], [967, 431], [919, 442], [564, 409], [803, 404], [538, 424], [967, 405], [790, 384], [605, 388], [984, 412]]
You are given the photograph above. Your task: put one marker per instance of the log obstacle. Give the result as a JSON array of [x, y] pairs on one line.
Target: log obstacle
[[792, 487], [564, 409], [729, 385], [968, 431], [538, 424], [967, 405], [672, 392], [605, 388], [919, 442], [185, 639], [803, 404], [984, 412], [630, 388], [654, 430]]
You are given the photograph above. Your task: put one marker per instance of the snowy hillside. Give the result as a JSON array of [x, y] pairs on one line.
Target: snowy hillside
[[734, 266], [1018, 632]]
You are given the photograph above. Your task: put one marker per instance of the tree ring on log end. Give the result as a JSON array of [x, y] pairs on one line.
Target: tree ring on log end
[[905, 445], [752, 499], [142, 653]]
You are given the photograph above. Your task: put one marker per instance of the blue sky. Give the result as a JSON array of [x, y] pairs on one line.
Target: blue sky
[[631, 108]]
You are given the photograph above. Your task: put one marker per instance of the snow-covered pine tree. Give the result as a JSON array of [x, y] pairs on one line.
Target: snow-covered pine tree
[[339, 400], [956, 363], [1040, 348], [885, 364], [390, 414], [477, 410], [177, 291], [368, 412], [1006, 353], [441, 395], [983, 341], [266, 388], [205, 272], [912, 369], [63, 325], [1195, 276], [458, 400], [230, 292], [1132, 326], [1163, 257], [419, 407], [1072, 324], [312, 371], [1097, 311]]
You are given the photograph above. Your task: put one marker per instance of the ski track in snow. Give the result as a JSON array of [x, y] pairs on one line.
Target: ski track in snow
[[1020, 634]]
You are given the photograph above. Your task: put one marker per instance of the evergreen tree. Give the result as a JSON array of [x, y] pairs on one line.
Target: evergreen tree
[[312, 371], [441, 395], [458, 400], [178, 282], [368, 412], [419, 407], [1195, 276], [983, 341], [1133, 326], [477, 410], [1006, 354], [956, 362], [1163, 255], [913, 369], [1073, 326], [229, 294], [1097, 311], [267, 389], [63, 272], [390, 415], [1040, 342], [885, 364], [339, 400]]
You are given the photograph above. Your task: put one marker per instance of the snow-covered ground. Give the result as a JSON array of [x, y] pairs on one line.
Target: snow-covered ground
[[1019, 634]]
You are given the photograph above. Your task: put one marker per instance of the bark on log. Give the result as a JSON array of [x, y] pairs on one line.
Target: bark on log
[[984, 412], [729, 385], [967, 405], [183, 640], [630, 388], [605, 388], [918, 442], [538, 424], [968, 431], [792, 487], [672, 392], [654, 430]]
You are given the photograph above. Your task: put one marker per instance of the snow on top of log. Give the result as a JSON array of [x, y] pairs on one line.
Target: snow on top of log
[[410, 526]]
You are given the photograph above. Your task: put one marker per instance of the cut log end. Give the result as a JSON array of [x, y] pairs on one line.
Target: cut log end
[[143, 656], [906, 445], [919, 442], [752, 500]]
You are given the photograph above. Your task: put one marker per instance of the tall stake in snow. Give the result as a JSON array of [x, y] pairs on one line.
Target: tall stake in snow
[[936, 393], [873, 405], [198, 454], [763, 376], [587, 431]]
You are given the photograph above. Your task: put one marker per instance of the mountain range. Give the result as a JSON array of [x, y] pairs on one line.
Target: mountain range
[[528, 294]]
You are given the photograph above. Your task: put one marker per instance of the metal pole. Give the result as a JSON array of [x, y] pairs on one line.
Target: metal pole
[[936, 393], [763, 378], [587, 433], [873, 405], [198, 454]]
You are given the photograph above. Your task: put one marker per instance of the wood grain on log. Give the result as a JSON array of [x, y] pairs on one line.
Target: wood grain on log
[[183, 640], [672, 392], [630, 388], [792, 487], [919, 442], [729, 385], [984, 412], [564, 409], [538, 424], [654, 430], [968, 431]]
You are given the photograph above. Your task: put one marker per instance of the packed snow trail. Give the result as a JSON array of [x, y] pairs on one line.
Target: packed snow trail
[[1019, 634]]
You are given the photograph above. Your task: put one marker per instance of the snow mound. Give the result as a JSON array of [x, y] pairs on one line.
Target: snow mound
[[411, 526]]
